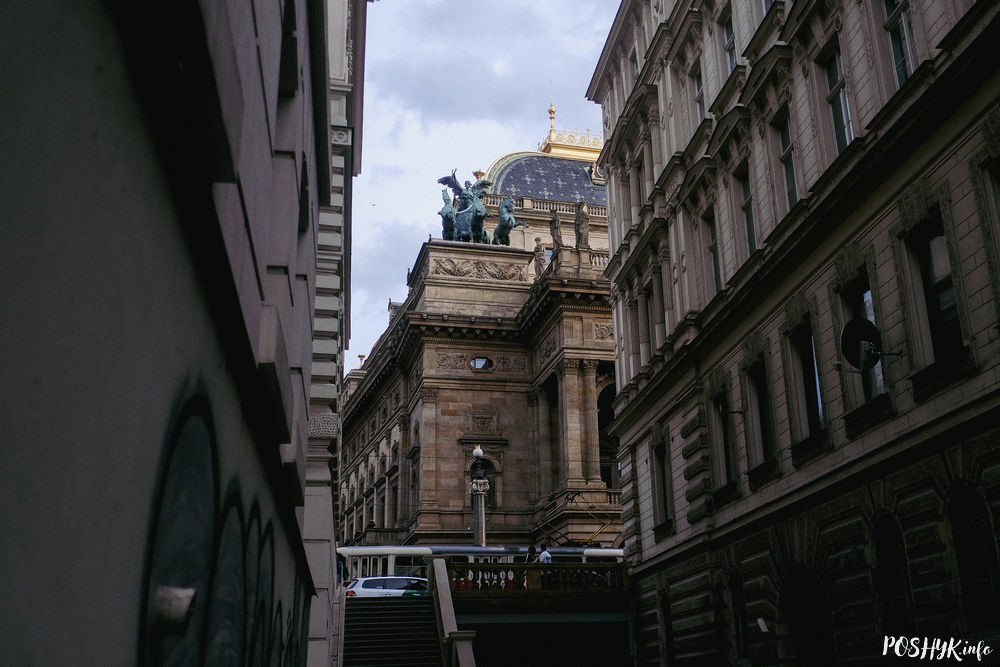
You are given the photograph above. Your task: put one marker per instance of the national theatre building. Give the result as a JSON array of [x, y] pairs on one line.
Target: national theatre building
[[508, 347], [804, 227]]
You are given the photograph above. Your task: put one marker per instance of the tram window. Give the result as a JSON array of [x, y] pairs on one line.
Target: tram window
[[602, 559], [409, 566], [561, 558], [385, 566], [364, 567]]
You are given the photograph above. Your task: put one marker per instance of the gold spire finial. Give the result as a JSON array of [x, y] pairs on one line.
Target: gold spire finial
[[552, 116]]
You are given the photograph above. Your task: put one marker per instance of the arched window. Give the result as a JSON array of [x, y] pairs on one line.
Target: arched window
[[491, 476], [976, 557], [892, 577]]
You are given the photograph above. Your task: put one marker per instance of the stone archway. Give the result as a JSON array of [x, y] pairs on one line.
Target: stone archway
[[806, 618]]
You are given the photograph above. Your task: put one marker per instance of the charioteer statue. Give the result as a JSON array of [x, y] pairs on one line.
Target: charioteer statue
[[466, 223]]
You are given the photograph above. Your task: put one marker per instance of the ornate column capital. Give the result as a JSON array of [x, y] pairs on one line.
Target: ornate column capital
[[428, 394], [589, 366], [568, 367]]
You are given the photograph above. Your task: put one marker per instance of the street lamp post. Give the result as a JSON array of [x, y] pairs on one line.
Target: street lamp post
[[479, 486]]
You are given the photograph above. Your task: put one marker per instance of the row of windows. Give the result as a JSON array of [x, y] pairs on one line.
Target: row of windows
[[937, 344], [634, 176]]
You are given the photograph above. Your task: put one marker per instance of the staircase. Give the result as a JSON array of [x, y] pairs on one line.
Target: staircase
[[382, 632]]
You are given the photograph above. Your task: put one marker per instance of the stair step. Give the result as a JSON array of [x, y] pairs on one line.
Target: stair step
[[384, 632]]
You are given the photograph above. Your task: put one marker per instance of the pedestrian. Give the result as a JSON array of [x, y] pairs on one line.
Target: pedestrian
[[341, 564], [532, 556], [545, 556]]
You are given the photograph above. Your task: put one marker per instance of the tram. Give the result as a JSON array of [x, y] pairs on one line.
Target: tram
[[411, 561]]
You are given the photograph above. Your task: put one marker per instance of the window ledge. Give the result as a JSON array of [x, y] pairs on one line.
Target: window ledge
[[867, 415], [664, 530], [942, 373], [725, 494], [815, 444], [765, 472]]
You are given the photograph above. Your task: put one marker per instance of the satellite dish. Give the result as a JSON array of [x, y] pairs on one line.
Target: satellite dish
[[861, 344]]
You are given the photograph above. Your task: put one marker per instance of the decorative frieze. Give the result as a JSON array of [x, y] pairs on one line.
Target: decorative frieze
[[468, 268], [512, 365], [548, 348], [451, 361], [482, 423], [603, 331]]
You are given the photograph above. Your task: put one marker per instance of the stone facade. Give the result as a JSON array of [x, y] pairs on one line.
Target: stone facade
[[494, 346], [163, 172], [777, 170], [331, 316]]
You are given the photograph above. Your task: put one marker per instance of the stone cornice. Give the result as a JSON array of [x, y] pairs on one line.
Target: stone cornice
[[550, 297]]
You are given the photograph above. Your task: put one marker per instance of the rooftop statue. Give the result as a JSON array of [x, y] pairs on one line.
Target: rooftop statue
[[555, 230], [447, 214], [581, 224], [471, 213], [501, 235]]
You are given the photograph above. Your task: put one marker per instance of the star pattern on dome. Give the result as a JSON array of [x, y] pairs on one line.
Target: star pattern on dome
[[542, 176]]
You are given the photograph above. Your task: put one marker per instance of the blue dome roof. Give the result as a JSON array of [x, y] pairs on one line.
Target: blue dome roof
[[543, 176]]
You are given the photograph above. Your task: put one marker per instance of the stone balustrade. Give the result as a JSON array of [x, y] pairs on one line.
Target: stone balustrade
[[527, 203], [504, 579]]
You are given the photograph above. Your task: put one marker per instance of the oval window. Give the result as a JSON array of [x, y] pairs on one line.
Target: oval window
[[480, 363]]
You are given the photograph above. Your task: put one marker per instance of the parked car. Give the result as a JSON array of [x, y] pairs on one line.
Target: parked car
[[386, 586]]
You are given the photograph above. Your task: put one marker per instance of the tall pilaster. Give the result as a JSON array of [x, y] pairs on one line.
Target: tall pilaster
[[643, 327], [632, 335], [591, 439], [427, 490], [666, 282], [656, 137], [659, 321], [647, 161], [568, 372], [401, 451], [621, 376], [625, 200], [635, 197]]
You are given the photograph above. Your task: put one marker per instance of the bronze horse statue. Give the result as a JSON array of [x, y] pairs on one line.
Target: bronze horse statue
[[471, 212], [501, 235]]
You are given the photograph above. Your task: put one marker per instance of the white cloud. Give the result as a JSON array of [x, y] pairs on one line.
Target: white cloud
[[454, 86]]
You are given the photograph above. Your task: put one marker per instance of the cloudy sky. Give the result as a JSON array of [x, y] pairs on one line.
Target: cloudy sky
[[455, 84]]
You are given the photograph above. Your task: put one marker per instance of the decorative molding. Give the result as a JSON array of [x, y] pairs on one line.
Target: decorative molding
[[848, 263], [477, 269], [603, 331], [568, 366], [485, 423], [512, 365], [913, 203], [754, 347], [991, 130], [549, 347], [340, 136], [453, 362], [324, 425], [416, 373], [429, 394], [796, 310]]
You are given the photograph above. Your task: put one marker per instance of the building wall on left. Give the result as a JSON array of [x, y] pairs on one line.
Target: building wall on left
[[162, 173]]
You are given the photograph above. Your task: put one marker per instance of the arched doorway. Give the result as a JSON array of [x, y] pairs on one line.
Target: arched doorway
[[806, 612]]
